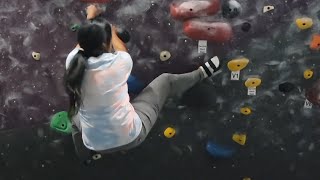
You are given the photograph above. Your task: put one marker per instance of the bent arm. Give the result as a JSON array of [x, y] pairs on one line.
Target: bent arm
[[117, 43]]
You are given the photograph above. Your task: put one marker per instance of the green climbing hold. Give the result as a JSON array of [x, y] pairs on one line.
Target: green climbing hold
[[61, 122], [75, 27]]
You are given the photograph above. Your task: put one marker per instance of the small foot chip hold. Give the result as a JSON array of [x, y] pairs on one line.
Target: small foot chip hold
[[267, 8], [238, 64], [304, 23], [165, 55], [36, 56], [246, 26], [169, 132], [308, 74], [239, 138], [96, 156], [74, 27], [246, 178], [245, 111]]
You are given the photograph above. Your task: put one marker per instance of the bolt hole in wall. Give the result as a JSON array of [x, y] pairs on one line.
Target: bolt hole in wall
[[248, 43]]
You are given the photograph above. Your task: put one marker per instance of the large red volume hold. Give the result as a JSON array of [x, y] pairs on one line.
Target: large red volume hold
[[210, 31], [192, 9]]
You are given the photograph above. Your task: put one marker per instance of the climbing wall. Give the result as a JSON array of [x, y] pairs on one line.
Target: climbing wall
[[260, 107]]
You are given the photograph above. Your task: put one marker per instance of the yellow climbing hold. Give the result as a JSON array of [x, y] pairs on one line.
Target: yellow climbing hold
[[169, 132], [246, 178], [245, 111], [238, 64], [308, 74], [304, 23], [165, 55], [252, 82], [36, 56], [239, 138]]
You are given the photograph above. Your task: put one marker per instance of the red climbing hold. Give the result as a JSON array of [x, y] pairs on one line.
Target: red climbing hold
[[192, 9], [210, 31], [315, 43]]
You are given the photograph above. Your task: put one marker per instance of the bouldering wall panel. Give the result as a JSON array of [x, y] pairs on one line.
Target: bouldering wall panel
[[255, 118]]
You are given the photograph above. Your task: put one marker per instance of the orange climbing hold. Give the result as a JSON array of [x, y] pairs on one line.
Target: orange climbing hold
[[252, 82], [239, 138], [315, 43], [210, 31], [308, 74], [238, 64], [304, 23], [169, 132], [245, 111], [191, 9]]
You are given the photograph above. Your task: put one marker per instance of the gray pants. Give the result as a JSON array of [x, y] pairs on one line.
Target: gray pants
[[150, 101]]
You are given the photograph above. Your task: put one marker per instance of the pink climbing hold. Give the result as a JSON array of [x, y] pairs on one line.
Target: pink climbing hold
[[191, 9], [210, 31]]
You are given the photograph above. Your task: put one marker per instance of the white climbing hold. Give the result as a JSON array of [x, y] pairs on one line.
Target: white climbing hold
[[36, 56], [267, 8], [165, 55]]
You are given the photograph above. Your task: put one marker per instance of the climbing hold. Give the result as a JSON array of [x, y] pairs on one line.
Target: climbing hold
[[308, 74], [191, 9], [238, 64], [239, 138], [123, 35], [219, 151], [315, 43], [74, 27], [231, 9], [96, 156], [304, 23], [267, 8], [165, 55], [286, 87], [36, 56], [169, 132], [245, 111], [246, 26], [246, 178], [61, 122], [211, 31], [135, 86], [252, 82]]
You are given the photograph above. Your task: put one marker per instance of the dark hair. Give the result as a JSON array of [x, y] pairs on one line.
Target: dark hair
[[91, 38]]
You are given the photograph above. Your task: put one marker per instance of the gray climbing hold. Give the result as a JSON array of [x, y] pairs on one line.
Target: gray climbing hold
[[231, 9]]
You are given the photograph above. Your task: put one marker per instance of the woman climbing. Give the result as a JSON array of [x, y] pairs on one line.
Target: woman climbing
[[96, 82]]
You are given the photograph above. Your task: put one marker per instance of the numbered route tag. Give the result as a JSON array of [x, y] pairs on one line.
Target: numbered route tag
[[202, 46], [252, 91], [235, 75], [307, 104]]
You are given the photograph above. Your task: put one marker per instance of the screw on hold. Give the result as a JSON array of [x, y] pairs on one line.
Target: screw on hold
[[165, 55], [75, 27], [36, 56]]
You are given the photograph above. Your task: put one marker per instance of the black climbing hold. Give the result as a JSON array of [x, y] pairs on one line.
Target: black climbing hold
[[318, 14], [231, 9], [246, 27], [123, 35], [286, 87]]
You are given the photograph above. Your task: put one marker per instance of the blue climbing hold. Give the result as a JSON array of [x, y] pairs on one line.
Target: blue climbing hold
[[219, 151], [135, 86]]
